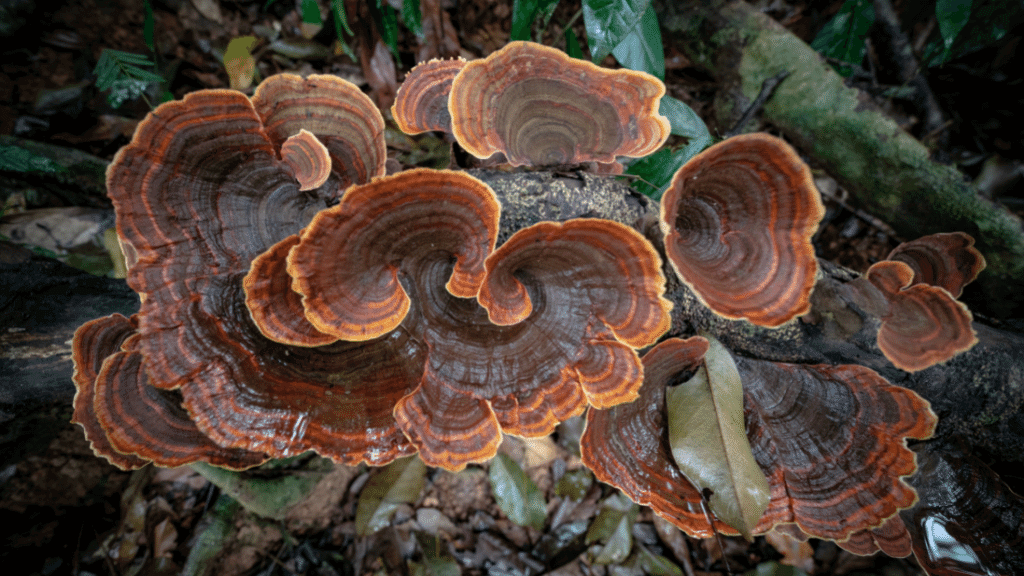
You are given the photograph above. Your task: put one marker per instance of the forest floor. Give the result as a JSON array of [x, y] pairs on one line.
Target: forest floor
[[65, 511]]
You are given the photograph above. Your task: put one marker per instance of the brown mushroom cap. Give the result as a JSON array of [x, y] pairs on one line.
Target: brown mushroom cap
[[539, 106], [276, 308], [93, 343], [924, 325], [830, 439], [308, 159], [834, 439], [127, 421], [200, 193], [892, 538], [948, 261], [738, 220], [421, 104], [346, 265], [344, 119]]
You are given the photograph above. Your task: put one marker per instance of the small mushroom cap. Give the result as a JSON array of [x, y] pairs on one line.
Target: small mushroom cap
[[344, 119], [308, 159], [93, 343], [948, 261], [345, 264], [738, 220], [830, 439], [276, 308], [541, 107], [421, 104], [924, 325]]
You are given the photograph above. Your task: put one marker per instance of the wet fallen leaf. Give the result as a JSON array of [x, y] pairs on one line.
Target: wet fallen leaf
[[210, 9], [239, 63], [614, 527], [709, 441], [397, 483], [574, 484], [517, 496]]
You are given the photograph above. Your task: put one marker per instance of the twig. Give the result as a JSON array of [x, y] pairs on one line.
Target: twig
[[894, 46], [767, 89]]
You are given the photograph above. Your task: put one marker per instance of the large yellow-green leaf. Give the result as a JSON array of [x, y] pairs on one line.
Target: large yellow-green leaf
[[709, 442]]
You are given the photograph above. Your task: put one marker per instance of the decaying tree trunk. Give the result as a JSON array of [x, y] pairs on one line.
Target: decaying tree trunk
[[887, 170]]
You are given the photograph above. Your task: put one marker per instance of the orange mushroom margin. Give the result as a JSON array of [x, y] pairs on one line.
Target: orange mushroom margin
[[799, 419], [517, 339], [738, 220]]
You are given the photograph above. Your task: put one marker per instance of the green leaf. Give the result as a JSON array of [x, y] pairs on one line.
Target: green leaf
[[657, 565], [685, 122], [311, 13], [952, 16], [989, 23], [397, 483], [412, 17], [572, 44], [709, 441], [120, 73], [18, 159], [340, 18], [843, 37], [386, 19], [641, 49], [656, 171], [149, 26], [517, 496], [525, 12], [574, 484], [608, 22], [613, 526], [434, 562]]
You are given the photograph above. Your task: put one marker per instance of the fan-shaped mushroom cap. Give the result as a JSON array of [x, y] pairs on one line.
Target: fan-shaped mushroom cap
[[94, 342], [924, 325], [347, 262], [738, 220], [421, 104], [128, 421], [539, 106], [830, 439], [574, 299], [344, 119], [948, 261], [276, 308], [199, 194], [308, 159]]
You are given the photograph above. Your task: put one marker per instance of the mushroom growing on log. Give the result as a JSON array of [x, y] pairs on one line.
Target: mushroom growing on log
[[541, 107], [421, 104], [738, 220], [830, 439]]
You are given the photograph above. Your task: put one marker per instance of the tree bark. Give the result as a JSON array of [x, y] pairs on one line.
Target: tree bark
[[887, 170]]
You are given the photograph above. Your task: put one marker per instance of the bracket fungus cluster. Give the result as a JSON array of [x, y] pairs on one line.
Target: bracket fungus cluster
[[537, 106], [831, 441], [295, 299]]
